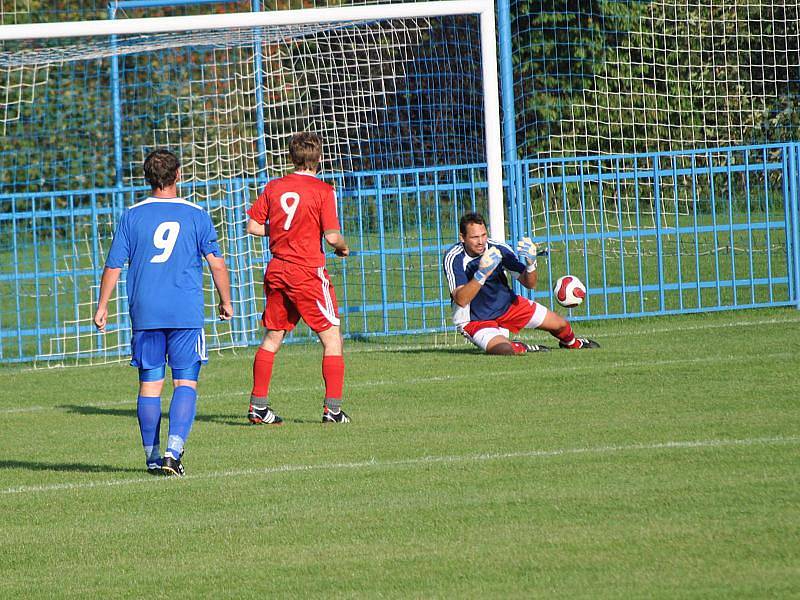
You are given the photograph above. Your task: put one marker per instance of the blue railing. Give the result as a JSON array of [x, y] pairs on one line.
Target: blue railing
[[649, 234]]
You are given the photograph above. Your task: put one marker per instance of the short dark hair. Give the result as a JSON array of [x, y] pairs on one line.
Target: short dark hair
[[305, 150], [161, 169], [470, 218]]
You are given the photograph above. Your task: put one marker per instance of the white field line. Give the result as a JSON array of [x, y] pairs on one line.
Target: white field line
[[541, 371], [408, 462]]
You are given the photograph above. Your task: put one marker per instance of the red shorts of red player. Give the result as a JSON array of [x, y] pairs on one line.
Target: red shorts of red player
[[517, 316], [294, 292]]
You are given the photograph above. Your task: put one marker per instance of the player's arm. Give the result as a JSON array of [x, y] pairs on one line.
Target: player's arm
[[222, 281], [336, 241], [529, 279], [107, 283], [526, 250], [256, 228], [331, 229], [463, 295], [258, 215]]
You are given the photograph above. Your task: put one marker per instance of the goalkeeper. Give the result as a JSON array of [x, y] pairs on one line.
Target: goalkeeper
[[485, 309]]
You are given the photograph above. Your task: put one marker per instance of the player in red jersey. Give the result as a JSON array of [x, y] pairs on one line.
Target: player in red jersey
[[296, 212]]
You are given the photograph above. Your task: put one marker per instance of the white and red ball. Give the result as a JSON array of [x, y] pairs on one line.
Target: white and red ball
[[569, 291]]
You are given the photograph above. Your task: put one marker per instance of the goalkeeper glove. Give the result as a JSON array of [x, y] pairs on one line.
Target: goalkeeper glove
[[489, 261], [526, 250]]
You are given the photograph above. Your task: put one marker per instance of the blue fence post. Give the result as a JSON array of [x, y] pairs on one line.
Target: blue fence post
[[794, 212], [382, 247], [117, 104], [116, 101], [507, 79], [258, 73], [509, 114], [659, 233]]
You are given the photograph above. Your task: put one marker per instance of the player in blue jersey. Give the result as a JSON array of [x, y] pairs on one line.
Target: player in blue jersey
[[164, 240], [485, 308]]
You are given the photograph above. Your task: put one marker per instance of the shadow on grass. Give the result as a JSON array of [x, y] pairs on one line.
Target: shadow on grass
[[130, 413], [465, 350], [35, 465]]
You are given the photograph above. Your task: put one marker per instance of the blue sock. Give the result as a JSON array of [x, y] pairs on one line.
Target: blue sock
[[148, 411], [181, 416]]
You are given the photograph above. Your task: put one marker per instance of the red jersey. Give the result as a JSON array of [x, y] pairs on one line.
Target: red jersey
[[299, 209]]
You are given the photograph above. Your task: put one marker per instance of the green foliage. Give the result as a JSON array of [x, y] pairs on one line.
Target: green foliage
[[619, 77]]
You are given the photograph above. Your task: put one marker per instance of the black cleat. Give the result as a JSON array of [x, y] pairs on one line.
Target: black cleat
[[263, 416], [172, 467], [534, 347], [154, 468], [586, 344], [334, 417]]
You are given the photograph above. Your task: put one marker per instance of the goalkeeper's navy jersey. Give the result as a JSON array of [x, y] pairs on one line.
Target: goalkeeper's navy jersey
[[164, 240], [495, 296]]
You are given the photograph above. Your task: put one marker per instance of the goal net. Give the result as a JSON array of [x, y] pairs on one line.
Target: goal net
[[397, 90], [650, 82]]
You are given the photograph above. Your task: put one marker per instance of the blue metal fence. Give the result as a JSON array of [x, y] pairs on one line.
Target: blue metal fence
[[649, 234], [670, 232]]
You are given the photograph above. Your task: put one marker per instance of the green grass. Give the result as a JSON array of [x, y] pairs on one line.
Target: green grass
[[666, 464]]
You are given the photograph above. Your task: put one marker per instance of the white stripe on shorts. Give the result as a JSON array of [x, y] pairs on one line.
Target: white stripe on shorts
[[327, 310]]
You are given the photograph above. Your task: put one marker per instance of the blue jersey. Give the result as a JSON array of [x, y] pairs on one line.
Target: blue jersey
[[164, 242], [495, 295]]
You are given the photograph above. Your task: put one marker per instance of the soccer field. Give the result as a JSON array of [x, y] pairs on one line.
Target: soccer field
[[665, 464]]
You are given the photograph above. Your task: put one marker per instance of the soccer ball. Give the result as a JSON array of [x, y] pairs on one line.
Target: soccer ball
[[569, 291]]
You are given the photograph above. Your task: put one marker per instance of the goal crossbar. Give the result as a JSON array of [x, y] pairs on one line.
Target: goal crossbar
[[105, 27], [483, 8]]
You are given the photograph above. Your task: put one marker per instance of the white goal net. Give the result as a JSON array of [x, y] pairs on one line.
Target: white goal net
[[385, 92]]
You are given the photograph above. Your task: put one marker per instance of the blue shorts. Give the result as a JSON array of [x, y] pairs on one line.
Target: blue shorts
[[180, 348]]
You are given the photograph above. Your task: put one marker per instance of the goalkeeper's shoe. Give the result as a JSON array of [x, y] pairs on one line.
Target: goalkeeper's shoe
[[263, 416], [531, 347], [585, 344], [328, 416], [172, 467]]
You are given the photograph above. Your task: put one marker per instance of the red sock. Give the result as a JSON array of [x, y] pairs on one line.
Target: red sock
[[566, 336], [519, 347], [262, 372], [333, 374]]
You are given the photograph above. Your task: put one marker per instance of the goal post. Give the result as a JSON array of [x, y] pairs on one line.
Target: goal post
[[404, 95], [485, 9]]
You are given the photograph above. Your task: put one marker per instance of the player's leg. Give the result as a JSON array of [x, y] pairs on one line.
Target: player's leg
[[492, 339], [523, 313], [315, 299], [280, 316], [493, 336], [501, 345], [182, 411], [186, 349], [148, 414], [333, 375], [559, 327], [148, 354], [259, 412]]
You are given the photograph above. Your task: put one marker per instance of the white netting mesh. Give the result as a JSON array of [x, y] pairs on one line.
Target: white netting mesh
[[682, 74], [14, 11], [382, 94]]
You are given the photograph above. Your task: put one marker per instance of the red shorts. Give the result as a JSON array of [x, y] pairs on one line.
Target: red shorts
[[522, 313], [295, 291]]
